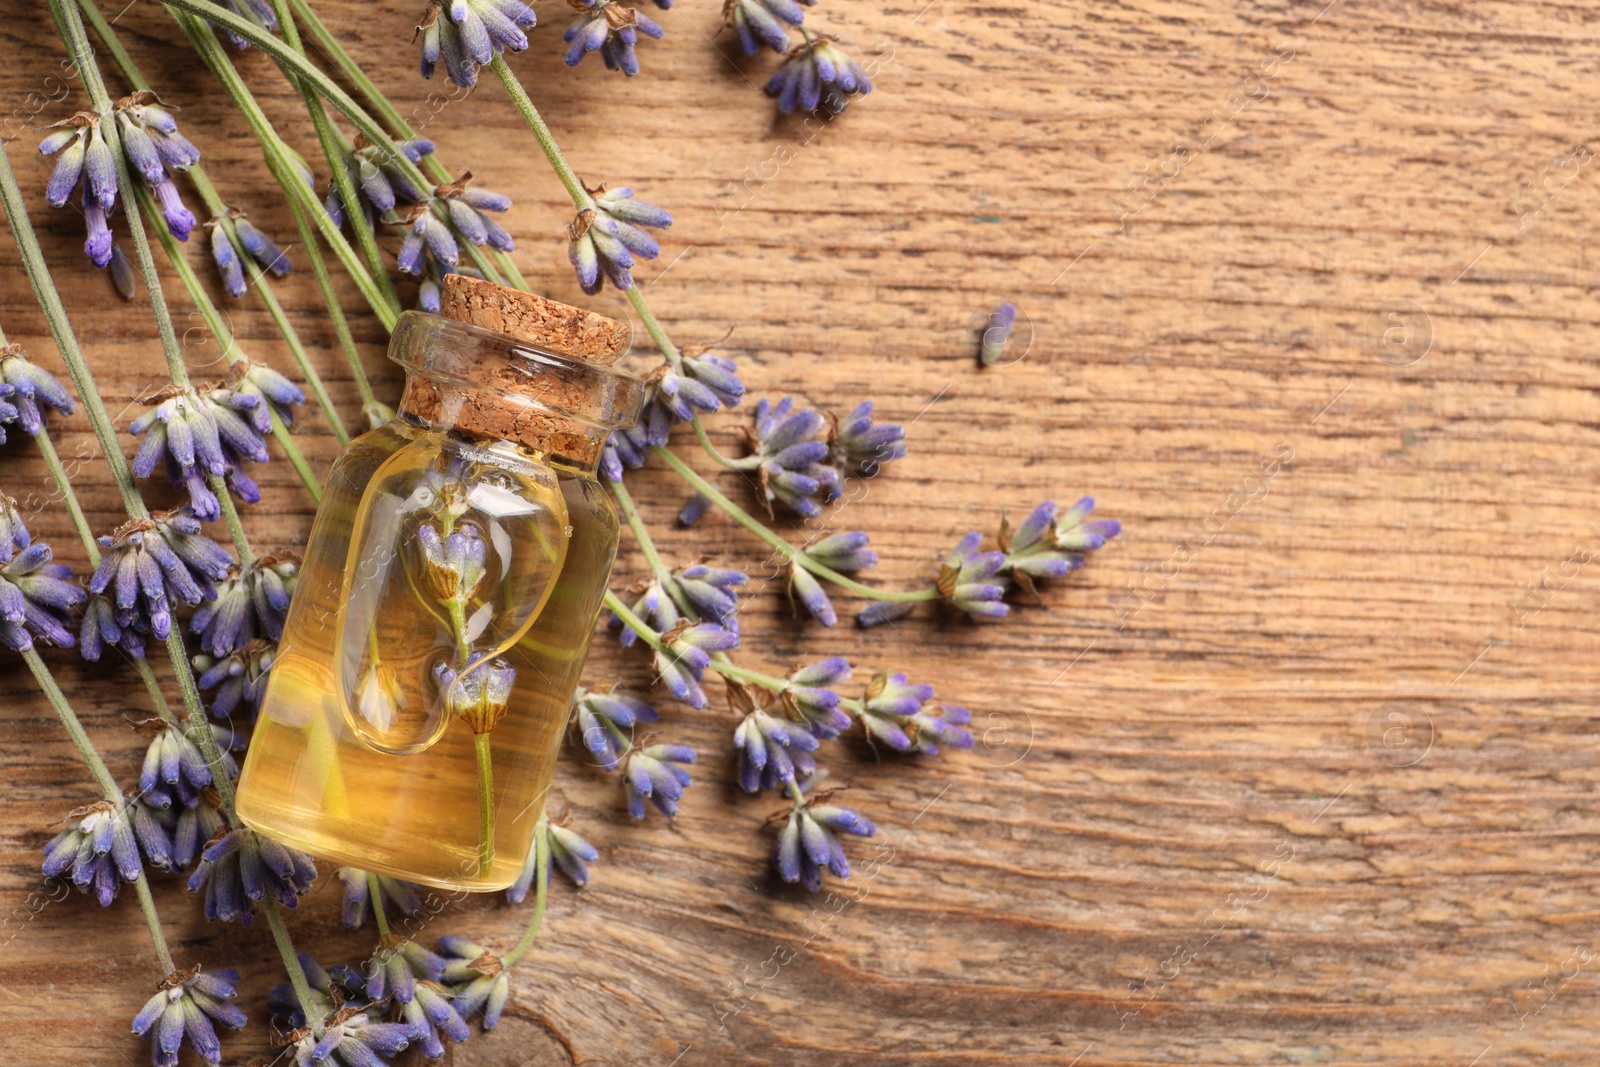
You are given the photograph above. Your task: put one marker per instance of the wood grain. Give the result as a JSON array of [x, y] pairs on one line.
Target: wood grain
[[1193, 831]]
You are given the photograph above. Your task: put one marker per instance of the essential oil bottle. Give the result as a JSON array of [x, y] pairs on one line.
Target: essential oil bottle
[[450, 586]]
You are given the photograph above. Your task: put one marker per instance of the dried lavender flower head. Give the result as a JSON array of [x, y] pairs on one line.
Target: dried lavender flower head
[[97, 852], [762, 22], [24, 386], [808, 843], [468, 34], [36, 594], [603, 240], [612, 29], [794, 470], [186, 1008], [817, 72], [241, 867]]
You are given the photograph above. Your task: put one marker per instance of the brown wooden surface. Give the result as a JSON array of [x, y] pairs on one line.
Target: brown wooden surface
[[1087, 885]]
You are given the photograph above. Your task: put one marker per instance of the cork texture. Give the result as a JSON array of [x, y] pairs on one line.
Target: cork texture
[[546, 323], [494, 411]]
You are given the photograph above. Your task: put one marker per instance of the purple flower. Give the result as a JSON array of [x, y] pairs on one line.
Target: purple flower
[[655, 607], [24, 386], [694, 509], [763, 22], [653, 774], [14, 535], [187, 1005], [467, 34], [258, 11], [604, 239], [997, 334], [98, 852], [898, 714], [1045, 546], [606, 721], [808, 844], [271, 393], [151, 816], [154, 147], [708, 383], [428, 243], [859, 447], [569, 852], [477, 979], [431, 1015], [815, 71], [469, 210], [399, 898], [355, 1035], [240, 867], [393, 971], [239, 678], [148, 565], [256, 244], [1075, 532], [198, 436], [379, 181], [613, 30], [479, 693], [86, 160], [845, 552], [252, 603], [965, 579], [710, 591], [193, 829], [174, 762], [681, 662], [808, 696], [772, 753], [793, 470], [36, 595]]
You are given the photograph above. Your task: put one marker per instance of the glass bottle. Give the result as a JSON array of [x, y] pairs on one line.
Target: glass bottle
[[451, 582]]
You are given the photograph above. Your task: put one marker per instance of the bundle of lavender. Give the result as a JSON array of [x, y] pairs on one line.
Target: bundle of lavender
[[160, 578]]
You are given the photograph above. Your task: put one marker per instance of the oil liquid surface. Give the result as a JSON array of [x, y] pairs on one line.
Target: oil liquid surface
[[353, 757]]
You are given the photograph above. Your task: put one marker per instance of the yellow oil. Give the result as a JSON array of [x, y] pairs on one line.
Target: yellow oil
[[354, 758]]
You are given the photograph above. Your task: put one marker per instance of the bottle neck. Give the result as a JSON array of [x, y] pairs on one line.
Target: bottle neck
[[467, 409]]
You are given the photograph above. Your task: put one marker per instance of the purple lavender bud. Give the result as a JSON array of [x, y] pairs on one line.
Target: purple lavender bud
[[240, 868], [816, 70], [997, 335], [187, 1009], [262, 248], [693, 510], [762, 22], [469, 33], [97, 245], [860, 447], [881, 611], [805, 588], [845, 552], [36, 595], [964, 580], [606, 721], [653, 774], [809, 843], [30, 386], [227, 262], [603, 240], [97, 853]]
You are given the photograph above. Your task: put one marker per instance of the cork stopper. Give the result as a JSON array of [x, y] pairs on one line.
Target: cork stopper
[[544, 323], [518, 367]]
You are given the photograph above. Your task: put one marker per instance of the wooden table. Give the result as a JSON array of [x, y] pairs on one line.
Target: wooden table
[[1300, 769]]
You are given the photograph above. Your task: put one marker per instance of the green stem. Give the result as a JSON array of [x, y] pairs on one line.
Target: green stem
[[58, 474], [291, 964], [646, 633], [230, 515], [70, 24], [480, 744], [541, 886], [541, 132], [784, 548], [376, 893], [108, 788], [219, 210], [377, 413], [641, 533]]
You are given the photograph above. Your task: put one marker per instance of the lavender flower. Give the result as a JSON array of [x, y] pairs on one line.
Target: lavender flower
[[400, 898], [708, 383], [762, 22], [188, 1005], [24, 386], [35, 596], [85, 160], [694, 509], [258, 11], [652, 773], [239, 678], [479, 693], [354, 1036], [605, 723], [181, 430], [477, 979], [571, 855], [604, 238], [149, 564], [153, 146], [394, 970], [808, 697], [654, 606], [470, 34], [430, 1014], [257, 392], [808, 844], [846, 553], [857, 446], [8, 410], [1075, 532], [631, 446], [710, 591], [123, 278], [997, 334], [772, 753], [1041, 547], [898, 713], [428, 243], [452, 566], [612, 29], [240, 867], [263, 249], [98, 851], [805, 588], [792, 470], [965, 579], [194, 828], [379, 182], [815, 70], [150, 815], [469, 210], [681, 661], [252, 603], [174, 760]]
